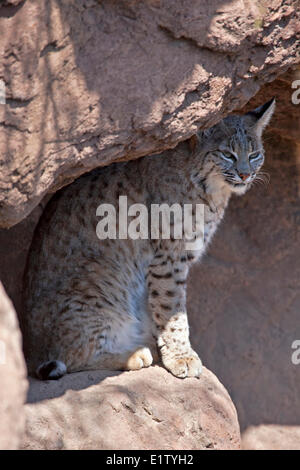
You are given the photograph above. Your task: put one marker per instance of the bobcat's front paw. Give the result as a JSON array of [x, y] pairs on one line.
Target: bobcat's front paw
[[188, 365]]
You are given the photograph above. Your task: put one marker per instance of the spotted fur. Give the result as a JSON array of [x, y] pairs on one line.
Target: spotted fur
[[120, 304]]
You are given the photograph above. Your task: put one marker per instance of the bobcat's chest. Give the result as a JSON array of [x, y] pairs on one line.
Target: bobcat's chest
[[213, 214]]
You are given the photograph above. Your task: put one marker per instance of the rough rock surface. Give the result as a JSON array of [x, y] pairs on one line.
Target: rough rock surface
[[244, 296], [146, 409], [13, 383], [271, 437], [90, 82]]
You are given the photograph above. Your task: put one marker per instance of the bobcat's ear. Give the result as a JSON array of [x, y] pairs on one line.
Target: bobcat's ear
[[262, 115]]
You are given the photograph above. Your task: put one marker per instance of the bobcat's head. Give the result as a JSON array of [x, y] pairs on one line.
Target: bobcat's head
[[234, 147]]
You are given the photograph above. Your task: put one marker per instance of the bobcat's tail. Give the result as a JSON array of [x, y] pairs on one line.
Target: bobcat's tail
[[51, 370]]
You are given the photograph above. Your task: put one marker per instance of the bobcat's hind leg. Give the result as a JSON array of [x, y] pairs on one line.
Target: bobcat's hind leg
[[142, 357], [134, 360]]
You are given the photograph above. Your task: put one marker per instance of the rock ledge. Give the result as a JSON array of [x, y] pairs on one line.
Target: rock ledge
[[146, 409]]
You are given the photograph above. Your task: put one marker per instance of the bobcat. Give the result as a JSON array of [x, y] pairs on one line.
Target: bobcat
[[121, 303]]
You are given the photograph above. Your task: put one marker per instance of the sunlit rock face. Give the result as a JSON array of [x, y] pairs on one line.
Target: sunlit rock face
[[145, 409], [12, 377], [89, 82]]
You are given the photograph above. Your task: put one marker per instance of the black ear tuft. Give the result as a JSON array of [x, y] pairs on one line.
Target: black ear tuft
[[261, 116], [260, 111]]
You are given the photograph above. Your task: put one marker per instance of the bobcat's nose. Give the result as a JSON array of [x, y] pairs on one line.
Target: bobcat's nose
[[244, 176]]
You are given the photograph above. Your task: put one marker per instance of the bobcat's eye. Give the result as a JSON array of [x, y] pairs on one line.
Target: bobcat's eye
[[255, 156], [230, 157]]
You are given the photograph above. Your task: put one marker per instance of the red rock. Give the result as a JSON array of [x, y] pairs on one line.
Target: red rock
[[88, 83], [243, 300], [13, 383], [146, 409], [272, 437]]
